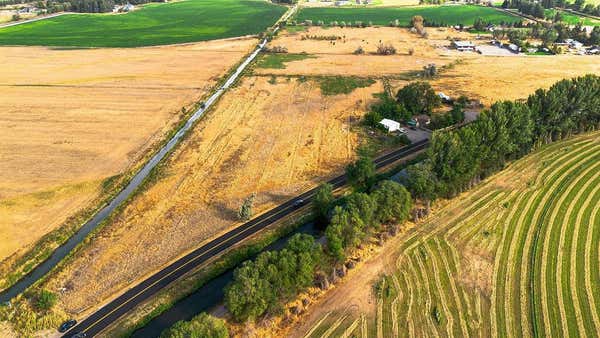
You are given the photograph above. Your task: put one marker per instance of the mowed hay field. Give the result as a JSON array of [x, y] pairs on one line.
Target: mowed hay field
[[153, 24], [516, 256], [71, 119], [493, 78], [275, 140], [446, 15]]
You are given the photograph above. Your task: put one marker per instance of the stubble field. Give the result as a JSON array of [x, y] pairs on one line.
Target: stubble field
[[488, 78], [506, 258], [71, 119], [271, 139]]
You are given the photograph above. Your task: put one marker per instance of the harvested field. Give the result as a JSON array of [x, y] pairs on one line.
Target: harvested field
[[274, 140], [491, 78], [70, 119], [336, 57], [506, 258]]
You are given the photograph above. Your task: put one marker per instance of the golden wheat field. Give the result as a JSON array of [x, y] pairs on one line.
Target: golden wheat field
[[69, 119]]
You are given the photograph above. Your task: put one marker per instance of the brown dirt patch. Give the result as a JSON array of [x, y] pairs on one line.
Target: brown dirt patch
[[71, 118], [274, 140]]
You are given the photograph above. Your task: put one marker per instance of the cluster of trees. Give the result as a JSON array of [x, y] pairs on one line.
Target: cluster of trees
[[454, 116], [201, 326], [549, 33], [413, 99], [508, 130], [536, 8], [363, 213], [264, 284]]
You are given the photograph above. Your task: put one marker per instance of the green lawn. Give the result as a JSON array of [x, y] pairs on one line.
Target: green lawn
[[154, 24], [277, 61], [447, 15]]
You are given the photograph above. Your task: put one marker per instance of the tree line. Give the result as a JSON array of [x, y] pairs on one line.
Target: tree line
[[263, 285], [536, 8], [456, 160], [509, 130], [80, 6]]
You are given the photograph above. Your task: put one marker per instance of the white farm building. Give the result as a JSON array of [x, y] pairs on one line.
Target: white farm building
[[464, 46], [390, 125]]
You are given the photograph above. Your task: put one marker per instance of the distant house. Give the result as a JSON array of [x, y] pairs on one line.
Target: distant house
[[464, 46], [342, 2], [444, 97], [574, 44], [128, 7], [594, 50], [27, 10], [390, 125], [513, 48]]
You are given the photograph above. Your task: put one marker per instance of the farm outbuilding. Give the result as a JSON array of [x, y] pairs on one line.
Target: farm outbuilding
[[464, 46], [390, 125]]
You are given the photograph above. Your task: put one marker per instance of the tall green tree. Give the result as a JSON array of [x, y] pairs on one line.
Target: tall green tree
[[322, 203], [334, 234], [201, 326], [422, 182], [361, 173], [393, 202], [418, 98]]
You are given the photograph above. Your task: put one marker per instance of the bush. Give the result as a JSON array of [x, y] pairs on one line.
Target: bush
[[385, 49], [45, 300], [201, 326], [359, 51]]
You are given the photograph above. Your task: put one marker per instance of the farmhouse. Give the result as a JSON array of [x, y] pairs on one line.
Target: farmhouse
[[513, 48], [342, 2], [390, 125], [464, 46], [573, 43]]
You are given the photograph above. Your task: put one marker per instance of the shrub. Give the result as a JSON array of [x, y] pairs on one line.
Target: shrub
[[201, 326], [45, 300], [359, 51], [385, 49]]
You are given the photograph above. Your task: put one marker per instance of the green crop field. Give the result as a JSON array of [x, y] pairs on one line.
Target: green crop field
[[572, 18], [516, 256], [154, 24], [446, 15]]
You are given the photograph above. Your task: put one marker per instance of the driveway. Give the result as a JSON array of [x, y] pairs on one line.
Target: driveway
[[417, 135]]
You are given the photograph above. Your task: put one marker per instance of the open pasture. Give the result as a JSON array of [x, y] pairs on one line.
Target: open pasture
[[152, 24], [447, 15], [516, 256]]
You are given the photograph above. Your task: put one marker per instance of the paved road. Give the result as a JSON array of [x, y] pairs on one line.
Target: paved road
[[106, 315], [16, 23]]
